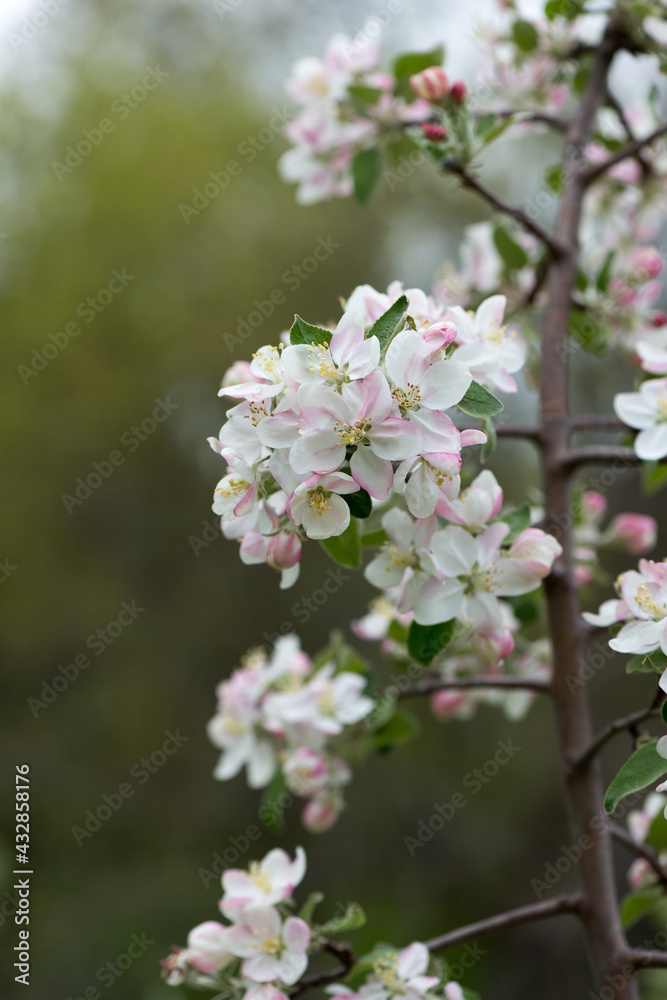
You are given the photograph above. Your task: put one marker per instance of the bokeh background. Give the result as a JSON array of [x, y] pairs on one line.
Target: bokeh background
[[146, 533]]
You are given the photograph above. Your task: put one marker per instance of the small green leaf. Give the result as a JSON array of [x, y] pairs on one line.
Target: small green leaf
[[397, 632], [270, 812], [484, 124], [514, 255], [642, 769], [589, 331], [657, 832], [663, 711], [654, 476], [639, 904], [518, 520], [346, 548], [553, 178], [489, 445], [384, 710], [373, 538], [389, 323], [360, 503], [366, 171], [364, 95], [308, 908], [639, 665], [426, 641], [562, 8], [479, 402], [658, 660], [353, 918], [525, 35], [304, 333], [602, 280], [401, 728]]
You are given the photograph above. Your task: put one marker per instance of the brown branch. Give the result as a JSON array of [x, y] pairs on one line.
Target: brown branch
[[430, 684], [471, 182], [596, 454], [519, 431], [554, 121], [595, 422], [503, 921], [619, 111], [610, 731], [319, 979], [641, 850], [592, 174], [643, 959]]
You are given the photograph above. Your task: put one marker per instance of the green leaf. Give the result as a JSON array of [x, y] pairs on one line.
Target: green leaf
[[518, 520], [553, 178], [353, 917], [308, 908], [657, 832], [479, 402], [373, 538], [364, 95], [426, 641], [658, 660], [397, 632], [639, 904], [346, 548], [663, 711], [489, 445], [410, 63], [514, 255], [270, 811], [644, 767], [525, 35], [401, 728], [484, 124], [304, 333], [639, 665], [366, 171], [588, 330], [384, 710], [602, 280], [562, 8], [654, 476], [360, 503], [389, 323]]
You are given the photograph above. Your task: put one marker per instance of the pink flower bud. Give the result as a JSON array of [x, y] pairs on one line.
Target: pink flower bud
[[239, 372], [434, 133], [493, 646], [659, 319], [306, 772], [593, 505], [284, 550], [636, 533], [319, 815], [640, 874], [431, 84], [445, 704], [439, 334], [646, 264], [459, 92], [583, 575]]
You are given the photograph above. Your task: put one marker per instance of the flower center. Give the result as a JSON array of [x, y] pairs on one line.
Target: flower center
[[321, 363], [268, 359], [407, 398], [662, 410], [318, 501], [353, 433], [233, 488], [480, 579], [398, 558], [271, 946], [648, 603], [259, 877], [385, 970], [257, 412], [436, 475]]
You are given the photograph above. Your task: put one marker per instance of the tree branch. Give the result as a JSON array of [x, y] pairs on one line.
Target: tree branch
[[519, 431], [471, 182], [430, 684], [595, 422], [592, 174], [610, 731], [619, 110], [511, 918], [600, 454], [554, 121], [641, 850], [642, 959]]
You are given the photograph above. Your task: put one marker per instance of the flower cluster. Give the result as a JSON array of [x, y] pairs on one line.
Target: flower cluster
[[462, 570], [641, 874], [642, 608], [263, 950], [338, 419], [286, 714]]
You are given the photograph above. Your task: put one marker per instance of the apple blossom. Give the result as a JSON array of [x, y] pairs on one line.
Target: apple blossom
[[273, 950], [491, 354], [264, 884], [646, 411]]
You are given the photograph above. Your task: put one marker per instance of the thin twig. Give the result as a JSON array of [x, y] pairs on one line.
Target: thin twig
[[503, 921], [430, 684], [643, 959], [619, 111], [471, 182], [595, 422], [560, 124], [610, 731], [519, 431], [592, 174], [596, 454], [641, 850]]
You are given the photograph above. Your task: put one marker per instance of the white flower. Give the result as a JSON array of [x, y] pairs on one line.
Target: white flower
[[316, 504], [272, 950], [491, 354], [646, 411], [264, 884]]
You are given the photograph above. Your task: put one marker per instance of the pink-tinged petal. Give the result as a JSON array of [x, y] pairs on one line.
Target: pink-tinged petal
[[609, 613], [251, 390], [653, 358], [445, 384], [651, 443], [395, 439], [374, 474], [439, 431], [537, 545], [296, 934], [421, 492], [324, 523], [246, 502], [261, 968], [491, 312], [338, 482], [503, 381], [406, 359], [317, 451], [512, 577], [253, 548], [439, 334], [280, 430], [215, 444], [412, 961], [637, 637], [454, 551], [471, 437], [370, 398], [490, 541]]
